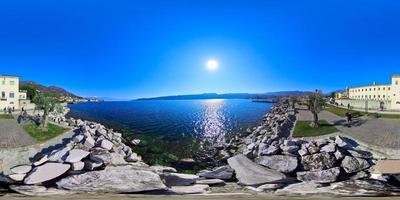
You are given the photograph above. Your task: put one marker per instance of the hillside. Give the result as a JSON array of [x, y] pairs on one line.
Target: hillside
[[58, 91]]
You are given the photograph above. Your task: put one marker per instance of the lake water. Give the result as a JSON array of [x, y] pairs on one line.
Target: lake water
[[174, 129]]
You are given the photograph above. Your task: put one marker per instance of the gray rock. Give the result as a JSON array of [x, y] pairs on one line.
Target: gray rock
[[133, 157], [46, 172], [360, 154], [210, 182], [352, 165], [318, 161], [193, 189], [280, 163], [78, 138], [89, 142], [22, 169], [115, 179], [271, 150], [176, 179], [92, 165], [360, 175], [107, 157], [77, 166], [106, 144], [289, 149], [329, 148], [303, 152], [270, 187], [59, 155], [303, 188], [250, 173], [41, 160], [76, 155], [313, 149], [323, 176], [339, 154], [163, 169], [17, 177], [35, 190], [224, 173]]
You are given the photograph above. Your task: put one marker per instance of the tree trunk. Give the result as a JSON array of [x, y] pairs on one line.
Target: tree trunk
[[44, 120], [315, 123]]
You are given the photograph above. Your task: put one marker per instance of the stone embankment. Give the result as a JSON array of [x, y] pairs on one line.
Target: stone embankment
[[266, 159]]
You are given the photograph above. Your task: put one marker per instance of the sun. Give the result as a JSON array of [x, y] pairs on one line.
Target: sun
[[212, 65]]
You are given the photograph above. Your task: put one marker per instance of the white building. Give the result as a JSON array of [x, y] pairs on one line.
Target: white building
[[11, 96], [375, 96]]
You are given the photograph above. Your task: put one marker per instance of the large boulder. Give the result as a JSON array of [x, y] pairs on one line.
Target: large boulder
[[115, 179], [76, 155], [323, 176], [250, 173], [281, 163], [176, 179], [352, 164], [319, 161], [46, 172], [224, 173]]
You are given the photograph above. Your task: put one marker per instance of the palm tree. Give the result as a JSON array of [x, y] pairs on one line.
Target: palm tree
[[45, 103], [316, 103]]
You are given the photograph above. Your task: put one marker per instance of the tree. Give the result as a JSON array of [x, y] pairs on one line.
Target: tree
[[293, 100], [45, 103], [316, 103], [30, 91]]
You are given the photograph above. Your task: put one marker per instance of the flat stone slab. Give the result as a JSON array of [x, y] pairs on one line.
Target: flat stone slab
[[176, 179], [387, 166], [35, 190], [193, 189], [76, 155], [46, 172], [118, 179], [22, 169], [250, 173]]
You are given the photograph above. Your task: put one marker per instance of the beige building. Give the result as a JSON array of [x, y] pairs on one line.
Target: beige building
[[375, 96], [11, 96]]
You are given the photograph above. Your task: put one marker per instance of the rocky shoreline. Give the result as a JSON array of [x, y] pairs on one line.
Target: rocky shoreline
[[265, 159]]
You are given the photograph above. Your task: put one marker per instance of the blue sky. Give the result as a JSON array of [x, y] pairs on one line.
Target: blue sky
[[130, 49]]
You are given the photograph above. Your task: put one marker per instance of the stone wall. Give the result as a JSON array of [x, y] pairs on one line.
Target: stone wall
[[360, 104]]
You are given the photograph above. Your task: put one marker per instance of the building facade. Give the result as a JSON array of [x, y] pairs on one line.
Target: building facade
[[375, 96], [11, 96]]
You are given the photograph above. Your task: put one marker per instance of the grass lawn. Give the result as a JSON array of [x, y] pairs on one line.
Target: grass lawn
[[6, 116], [42, 135], [342, 111], [303, 129]]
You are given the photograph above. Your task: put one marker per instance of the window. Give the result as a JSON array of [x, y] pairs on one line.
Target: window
[[383, 88], [12, 82], [379, 89], [397, 82], [11, 102], [369, 89], [383, 96], [388, 88], [12, 94], [374, 89], [3, 94]]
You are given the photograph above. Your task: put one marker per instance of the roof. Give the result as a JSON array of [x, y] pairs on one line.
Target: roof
[[369, 86], [8, 76]]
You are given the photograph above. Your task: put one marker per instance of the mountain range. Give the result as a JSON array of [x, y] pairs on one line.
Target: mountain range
[[230, 95], [58, 91]]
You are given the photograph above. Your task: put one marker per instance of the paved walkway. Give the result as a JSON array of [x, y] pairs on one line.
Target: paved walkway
[[377, 133], [12, 135]]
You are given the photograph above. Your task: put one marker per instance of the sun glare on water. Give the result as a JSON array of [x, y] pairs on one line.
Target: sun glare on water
[[212, 65]]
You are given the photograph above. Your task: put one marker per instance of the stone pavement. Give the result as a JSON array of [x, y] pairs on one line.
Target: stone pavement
[[12, 135], [380, 134]]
